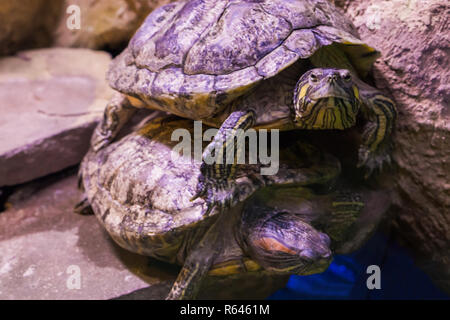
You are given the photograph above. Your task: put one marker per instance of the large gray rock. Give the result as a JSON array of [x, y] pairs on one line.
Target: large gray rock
[[41, 238], [50, 102], [414, 41], [42, 241]]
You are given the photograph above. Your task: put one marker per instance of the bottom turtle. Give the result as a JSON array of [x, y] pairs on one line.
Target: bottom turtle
[[140, 192]]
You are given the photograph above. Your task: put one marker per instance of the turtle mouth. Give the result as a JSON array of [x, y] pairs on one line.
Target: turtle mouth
[[329, 112]]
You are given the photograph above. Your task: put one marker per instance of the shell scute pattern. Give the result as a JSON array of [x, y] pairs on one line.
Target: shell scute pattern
[[152, 24], [166, 47], [298, 13], [302, 42], [277, 60], [244, 34]]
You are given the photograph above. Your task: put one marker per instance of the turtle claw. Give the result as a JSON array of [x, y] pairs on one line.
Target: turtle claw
[[372, 162], [100, 140], [197, 195], [83, 207], [220, 196]]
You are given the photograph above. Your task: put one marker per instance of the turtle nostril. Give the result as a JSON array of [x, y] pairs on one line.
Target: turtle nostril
[[332, 77]]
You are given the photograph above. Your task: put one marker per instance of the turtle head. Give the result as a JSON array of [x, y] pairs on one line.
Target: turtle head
[[326, 98], [284, 244]]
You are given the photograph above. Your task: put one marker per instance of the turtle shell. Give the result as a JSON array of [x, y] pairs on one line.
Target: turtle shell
[[140, 189], [141, 195], [192, 58]]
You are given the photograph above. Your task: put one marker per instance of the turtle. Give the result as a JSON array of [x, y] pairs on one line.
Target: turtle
[[239, 64], [139, 188]]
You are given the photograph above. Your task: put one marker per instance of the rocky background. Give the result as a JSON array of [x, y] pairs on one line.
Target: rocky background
[[52, 93], [106, 24], [414, 39]]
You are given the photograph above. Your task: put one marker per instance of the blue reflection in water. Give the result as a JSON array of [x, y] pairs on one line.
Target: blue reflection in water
[[346, 277]]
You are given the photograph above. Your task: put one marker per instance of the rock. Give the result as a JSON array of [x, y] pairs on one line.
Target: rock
[[51, 238], [27, 24], [105, 24], [50, 101], [414, 41], [43, 244]]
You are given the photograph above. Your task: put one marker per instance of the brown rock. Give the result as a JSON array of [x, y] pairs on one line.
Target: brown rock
[[414, 41], [105, 24], [50, 101], [27, 24]]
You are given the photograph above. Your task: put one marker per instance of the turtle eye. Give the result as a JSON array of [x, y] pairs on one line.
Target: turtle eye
[[347, 77], [313, 77]]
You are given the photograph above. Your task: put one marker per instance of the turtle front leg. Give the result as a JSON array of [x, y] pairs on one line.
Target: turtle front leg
[[189, 279], [118, 111], [381, 114], [216, 183], [199, 261]]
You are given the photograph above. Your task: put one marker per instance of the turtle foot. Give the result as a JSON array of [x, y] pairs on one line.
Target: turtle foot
[[372, 162], [216, 194], [100, 140]]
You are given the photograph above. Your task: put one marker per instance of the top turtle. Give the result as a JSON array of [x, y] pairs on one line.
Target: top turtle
[[237, 64]]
